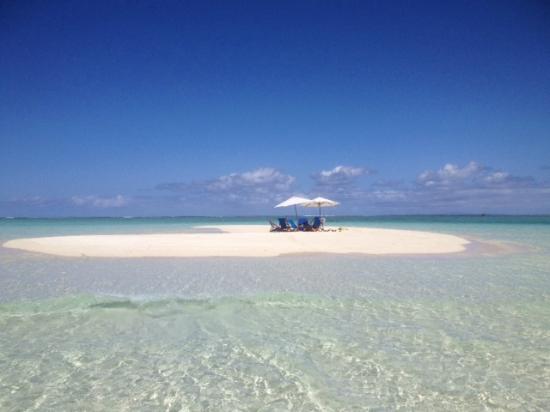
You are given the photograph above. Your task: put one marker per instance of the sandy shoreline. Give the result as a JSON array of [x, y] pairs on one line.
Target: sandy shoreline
[[245, 241]]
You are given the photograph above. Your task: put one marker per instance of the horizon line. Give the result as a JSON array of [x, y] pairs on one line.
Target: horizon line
[[275, 215]]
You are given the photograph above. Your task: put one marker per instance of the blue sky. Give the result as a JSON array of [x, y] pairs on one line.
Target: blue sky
[[175, 108]]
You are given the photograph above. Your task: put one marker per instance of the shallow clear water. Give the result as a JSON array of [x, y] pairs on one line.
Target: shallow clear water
[[462, 332]]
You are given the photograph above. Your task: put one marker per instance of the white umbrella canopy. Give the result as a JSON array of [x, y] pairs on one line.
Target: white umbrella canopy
[[321, 202], [294, 201]]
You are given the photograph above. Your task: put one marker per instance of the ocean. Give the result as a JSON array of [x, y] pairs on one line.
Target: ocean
[[311, 333]]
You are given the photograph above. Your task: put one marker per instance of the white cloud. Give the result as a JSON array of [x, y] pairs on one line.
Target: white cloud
[[449, 174], [473, 175], [265, 177], [260, 186], [389, 195], [497, 177], [473, 188], [340, 175], [469, 188], [348, 171], [99, 201], [32, 201]]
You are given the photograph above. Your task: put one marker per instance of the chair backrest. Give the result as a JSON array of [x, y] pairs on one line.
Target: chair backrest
[[303, 221], [316, 222], [283, 222], [292, 224]]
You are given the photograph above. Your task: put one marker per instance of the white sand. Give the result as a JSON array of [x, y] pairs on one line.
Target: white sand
[[245, 240]]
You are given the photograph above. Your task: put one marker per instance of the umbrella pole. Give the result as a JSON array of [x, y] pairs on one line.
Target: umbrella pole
[[319, 210], [296, 212]]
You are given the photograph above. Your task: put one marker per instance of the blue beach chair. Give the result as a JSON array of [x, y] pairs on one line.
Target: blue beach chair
[[283, 223], [303, 224], [292, 224], [274, 227], [317, 223]]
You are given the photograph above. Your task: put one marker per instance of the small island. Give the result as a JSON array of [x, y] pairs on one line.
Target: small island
[[246, 241]]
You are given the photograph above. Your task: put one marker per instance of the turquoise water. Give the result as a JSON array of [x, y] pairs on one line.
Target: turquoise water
[[460, 332]]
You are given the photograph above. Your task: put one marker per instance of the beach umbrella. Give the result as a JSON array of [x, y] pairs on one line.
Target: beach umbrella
[[294, 201], [320, 202]]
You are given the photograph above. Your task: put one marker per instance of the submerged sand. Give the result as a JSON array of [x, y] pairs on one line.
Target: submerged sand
[[245, 241]]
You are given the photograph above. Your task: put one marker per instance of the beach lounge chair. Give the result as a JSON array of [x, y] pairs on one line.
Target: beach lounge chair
[[293, 225], [283, 223], [274, 227], [303, 224], [317, 223]]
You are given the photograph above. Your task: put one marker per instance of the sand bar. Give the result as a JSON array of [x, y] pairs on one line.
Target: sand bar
[[245, 241]]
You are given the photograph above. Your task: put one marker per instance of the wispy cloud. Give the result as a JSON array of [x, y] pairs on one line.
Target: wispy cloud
[[33, 201], [449, 175], [452, 188], [471, 188], [262, 185], [340, 183], [339, 175], [472, 175], [78, 205], [100, 202]]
